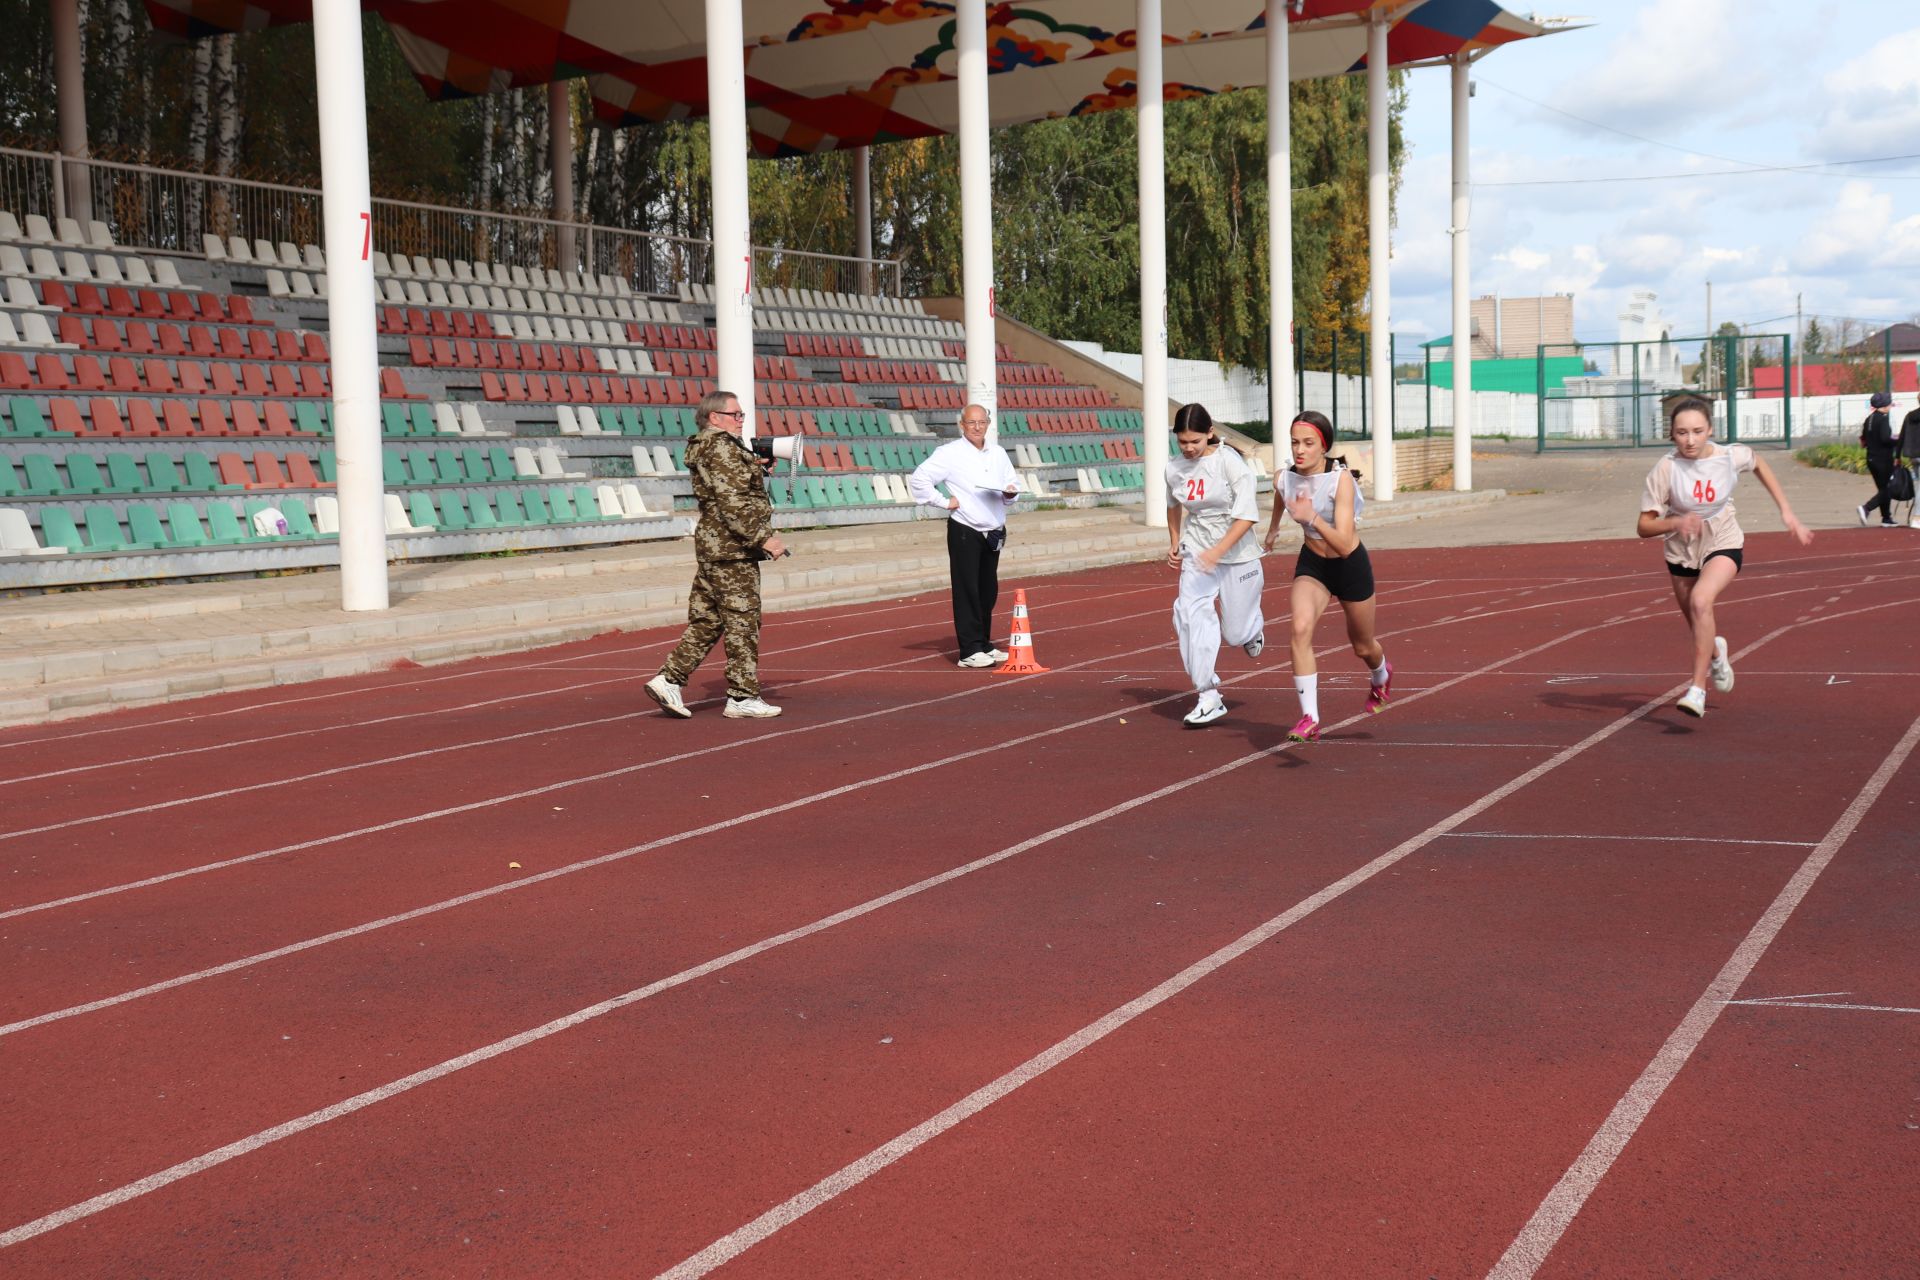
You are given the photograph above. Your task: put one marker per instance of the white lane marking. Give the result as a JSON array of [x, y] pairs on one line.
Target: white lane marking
[[1662, 839], [1832, 680], [1556, 1213], [521, 795], [1798, 1002], [738, 1241], [187, 1168], [447, 904]]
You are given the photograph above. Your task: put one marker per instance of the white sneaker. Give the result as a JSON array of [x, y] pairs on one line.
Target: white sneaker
[[749, 709], [667, 694], [976, 661], [1205, 713], [1862, 513], [1694, 702], [1255, 645], [1721, 669], [998, 655]]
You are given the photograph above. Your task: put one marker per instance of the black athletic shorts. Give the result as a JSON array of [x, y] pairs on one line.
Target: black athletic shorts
[[1347, 578], [1681, 571]]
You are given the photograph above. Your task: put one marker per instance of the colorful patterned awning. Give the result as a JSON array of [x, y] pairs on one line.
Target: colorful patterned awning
[[823, 74]]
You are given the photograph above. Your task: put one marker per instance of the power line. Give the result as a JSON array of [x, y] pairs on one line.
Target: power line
[[1654, 142]]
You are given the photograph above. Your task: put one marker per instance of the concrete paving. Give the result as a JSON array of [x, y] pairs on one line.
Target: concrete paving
[[82, 652]]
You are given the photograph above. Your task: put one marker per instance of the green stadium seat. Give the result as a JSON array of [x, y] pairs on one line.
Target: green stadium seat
[[10, 484], [560, 501], [26, 420], [162, 475], [480, 514], [224, 526], [201, 477], [327, 466], [83, 475], [781, 494], [507, 508], [299, 523], [446, 465], [393, 471], [123, 474], [43, 476], [453, 512], [143, 524], [183, 522], [423, 424], [419, 467], [585, 505], [474, 462], [393, 419], [103, 530], [307, 416], [421, 512], [501, 464], [536, 506], [57, 530]]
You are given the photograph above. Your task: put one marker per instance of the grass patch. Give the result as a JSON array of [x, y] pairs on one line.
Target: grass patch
[[1851, 458]]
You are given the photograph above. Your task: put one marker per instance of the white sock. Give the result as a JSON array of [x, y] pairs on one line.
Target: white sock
[[1695, 691], [1378, 675], [1308, 687]]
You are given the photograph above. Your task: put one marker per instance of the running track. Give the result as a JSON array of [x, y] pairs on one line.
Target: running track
[[947, 974]]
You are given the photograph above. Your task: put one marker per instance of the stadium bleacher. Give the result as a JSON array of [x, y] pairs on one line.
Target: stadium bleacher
[[151, 405]]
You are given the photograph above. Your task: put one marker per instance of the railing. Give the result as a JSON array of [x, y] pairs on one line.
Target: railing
[[1598, 394], [170, 210]]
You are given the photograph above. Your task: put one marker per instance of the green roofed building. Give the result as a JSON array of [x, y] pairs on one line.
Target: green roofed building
[[1522, 376]]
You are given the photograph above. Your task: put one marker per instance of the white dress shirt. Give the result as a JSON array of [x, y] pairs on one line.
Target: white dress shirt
[[978, 477]]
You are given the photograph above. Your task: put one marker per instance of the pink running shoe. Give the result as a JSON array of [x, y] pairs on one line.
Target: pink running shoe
[[1308, 730], [1377, 694]]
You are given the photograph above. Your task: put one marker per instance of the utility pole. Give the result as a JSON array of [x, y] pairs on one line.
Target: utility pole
[[1800, 358], [1706, 348]]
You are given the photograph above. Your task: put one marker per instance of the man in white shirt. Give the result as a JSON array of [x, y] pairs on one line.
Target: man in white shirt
[[982, 481]]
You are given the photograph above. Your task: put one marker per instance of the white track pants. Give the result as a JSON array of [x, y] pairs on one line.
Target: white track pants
[[1200, 627]]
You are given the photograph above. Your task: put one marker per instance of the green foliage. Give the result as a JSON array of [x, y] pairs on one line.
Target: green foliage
[[1850, 458]]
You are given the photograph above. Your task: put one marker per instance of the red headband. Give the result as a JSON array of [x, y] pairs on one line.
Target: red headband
[[1326, 438]]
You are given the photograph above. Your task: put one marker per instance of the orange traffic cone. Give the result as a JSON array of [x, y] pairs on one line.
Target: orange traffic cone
[[1020, 660]]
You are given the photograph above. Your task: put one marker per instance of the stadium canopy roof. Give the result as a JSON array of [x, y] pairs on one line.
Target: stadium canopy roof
[[844, 73]]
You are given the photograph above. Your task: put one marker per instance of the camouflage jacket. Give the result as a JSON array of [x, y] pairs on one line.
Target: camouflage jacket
[[736, 515]]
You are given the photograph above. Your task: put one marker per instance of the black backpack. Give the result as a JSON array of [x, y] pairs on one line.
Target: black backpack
[[1900, 485]]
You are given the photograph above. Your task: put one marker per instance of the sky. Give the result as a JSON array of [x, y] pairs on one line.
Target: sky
[[1706, 87]]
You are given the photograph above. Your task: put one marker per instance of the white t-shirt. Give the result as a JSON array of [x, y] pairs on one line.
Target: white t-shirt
[[975, 476], [1325, 488], [1703, 487], [1213, 491]]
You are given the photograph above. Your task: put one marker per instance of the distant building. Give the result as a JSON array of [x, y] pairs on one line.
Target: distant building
[[1526, 324], [1897, 339]]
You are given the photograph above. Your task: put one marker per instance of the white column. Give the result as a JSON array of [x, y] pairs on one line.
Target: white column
[[1379, 346], [560, 164], [732, 228], [347, 202], [1152, 110], [1279, 229], [1462, 302], [976, 212], [863, 215], [70, 97]]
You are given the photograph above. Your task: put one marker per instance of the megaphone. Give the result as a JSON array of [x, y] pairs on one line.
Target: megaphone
[[773, 448]]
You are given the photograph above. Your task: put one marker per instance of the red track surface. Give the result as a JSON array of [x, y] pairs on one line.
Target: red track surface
[[1377, 1028]]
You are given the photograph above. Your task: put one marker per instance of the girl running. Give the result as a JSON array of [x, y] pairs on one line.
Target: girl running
[[1689, 502], [1210, 509], [1321, 495]]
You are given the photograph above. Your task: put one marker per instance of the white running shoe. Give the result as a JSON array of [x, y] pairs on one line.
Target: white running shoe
[[1205, 712], [750, 709], [976, 661], [1694, 702], [998, 655], [1721, 669], [1255, 645], [667, 694], [1862, 513]]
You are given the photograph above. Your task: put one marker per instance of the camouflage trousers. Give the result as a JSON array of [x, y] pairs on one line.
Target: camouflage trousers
[[724, 605]]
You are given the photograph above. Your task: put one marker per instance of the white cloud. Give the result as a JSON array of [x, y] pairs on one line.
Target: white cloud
[[1641, 82], [1860, 233], [1872, 102]]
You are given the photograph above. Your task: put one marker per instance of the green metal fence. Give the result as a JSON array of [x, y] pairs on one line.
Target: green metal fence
[[1619, 399]]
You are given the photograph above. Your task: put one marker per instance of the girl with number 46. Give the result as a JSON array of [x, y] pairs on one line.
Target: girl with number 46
[[1689, 502]]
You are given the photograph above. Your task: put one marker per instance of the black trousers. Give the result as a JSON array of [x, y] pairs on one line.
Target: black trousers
[[974, 558], [1881, 469]]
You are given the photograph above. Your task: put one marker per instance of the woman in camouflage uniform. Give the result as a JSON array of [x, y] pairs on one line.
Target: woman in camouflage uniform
[[734, 535]]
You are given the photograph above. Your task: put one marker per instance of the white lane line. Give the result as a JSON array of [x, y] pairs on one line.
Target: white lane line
[[647, 710], [1659, 839], [738, 1241], [1802, 1002], [198, 1164], [510, 797], [1556, 1213], [558, 667]]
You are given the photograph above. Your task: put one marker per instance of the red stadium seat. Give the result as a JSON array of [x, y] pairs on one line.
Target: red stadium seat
[[87, 375], [213, 419], [49, 374], [224, 383], [141, 419], [300, 473], [233, 470], [246, 419], [103, 417], [193, 378], [266, 469], [178, 421], [66, 417]]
